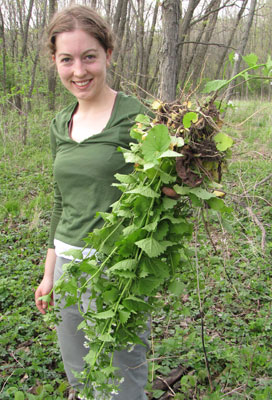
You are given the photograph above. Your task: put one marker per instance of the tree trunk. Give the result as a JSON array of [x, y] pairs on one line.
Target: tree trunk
[[184, 28], [140, 41], [145, 70], [4, 51], [186, 67], [199, 60], [52, 79], [119, 30], [241, 48], [36, 59], [26, 29], [224, 53], [169, 59]]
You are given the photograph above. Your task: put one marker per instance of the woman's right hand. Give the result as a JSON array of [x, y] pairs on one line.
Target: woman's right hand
[[44, 289], [47, 282]]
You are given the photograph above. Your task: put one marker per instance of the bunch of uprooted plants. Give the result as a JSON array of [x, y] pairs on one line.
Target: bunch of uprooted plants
[[179, 155]]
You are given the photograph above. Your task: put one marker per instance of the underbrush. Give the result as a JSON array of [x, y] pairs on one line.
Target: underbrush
[[210, 341]]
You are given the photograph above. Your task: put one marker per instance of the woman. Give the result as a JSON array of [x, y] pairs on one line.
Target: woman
[[84, 141]]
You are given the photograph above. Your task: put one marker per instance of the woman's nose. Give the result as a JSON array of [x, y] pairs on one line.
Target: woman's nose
[[79, 68]]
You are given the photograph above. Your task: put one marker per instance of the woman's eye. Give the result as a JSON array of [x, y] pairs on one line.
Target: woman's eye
[[90, 57], [65, 60]]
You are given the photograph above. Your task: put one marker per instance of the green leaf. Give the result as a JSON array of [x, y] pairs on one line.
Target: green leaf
[[169, 203], [129, 179], [134, 304], [152, 247], [124, 316], [143, 119], [183, 190], [176, 288], [215, 85], [223, 141], [157, 393], [106, 337], [90, 358], [144, 191], [162, 230], [88, 266], [181, 228], [46, 298], [129, 264], [177, 141], [268, 65], [231, 56], [19, 396], [110, 296], [146, 286], [155, 267], [151, 227], [157, 142], [167, 178], [251, 59], [170, 153], [188, 118], [76, 254], [219, 205], [202, 193], [104, 315]]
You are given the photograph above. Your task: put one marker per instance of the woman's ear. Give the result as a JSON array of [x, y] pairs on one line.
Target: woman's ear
[[53, 58], [108, 57]]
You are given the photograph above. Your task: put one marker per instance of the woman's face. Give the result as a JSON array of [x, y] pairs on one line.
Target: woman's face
[[82, 64]]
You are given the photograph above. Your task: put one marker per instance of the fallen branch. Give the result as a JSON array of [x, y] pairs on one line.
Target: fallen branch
[[165, 383]]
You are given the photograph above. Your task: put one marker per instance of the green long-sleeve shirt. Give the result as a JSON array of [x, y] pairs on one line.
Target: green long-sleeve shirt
[[84, 172]]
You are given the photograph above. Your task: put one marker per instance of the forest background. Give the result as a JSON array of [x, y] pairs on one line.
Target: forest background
[[162, 49]]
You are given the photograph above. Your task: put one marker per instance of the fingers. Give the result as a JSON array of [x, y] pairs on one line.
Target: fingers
[[41, 304]]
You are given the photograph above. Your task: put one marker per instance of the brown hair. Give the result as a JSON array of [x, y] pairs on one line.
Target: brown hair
[[79, 17]]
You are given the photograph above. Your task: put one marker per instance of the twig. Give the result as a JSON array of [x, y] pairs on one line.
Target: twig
[[166, 384], [263, 181], [202, 316], [18, 362], [6, 381], [233, 391], [206, 225], [260, 225]]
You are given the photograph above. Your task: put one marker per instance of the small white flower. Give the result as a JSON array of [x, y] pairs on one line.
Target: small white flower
[[86, 345], [236, 57], [114, 392], [122, 380], [131, 348]]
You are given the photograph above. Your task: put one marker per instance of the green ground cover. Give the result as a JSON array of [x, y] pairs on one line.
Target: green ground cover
[[225, 302]]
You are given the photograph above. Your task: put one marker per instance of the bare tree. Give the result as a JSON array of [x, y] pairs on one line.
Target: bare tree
[[200, 55], [147, 53], [231, 37], [4, 51], [52, 73], [119, 24], [242, 46], [169, 59], [184, 28]]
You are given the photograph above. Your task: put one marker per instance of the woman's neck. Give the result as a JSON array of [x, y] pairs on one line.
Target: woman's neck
[[102, 102]]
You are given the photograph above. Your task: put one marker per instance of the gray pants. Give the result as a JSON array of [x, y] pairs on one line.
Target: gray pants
[[132, 365]]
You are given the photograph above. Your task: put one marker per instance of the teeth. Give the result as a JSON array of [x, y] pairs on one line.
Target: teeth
[[82, 83]]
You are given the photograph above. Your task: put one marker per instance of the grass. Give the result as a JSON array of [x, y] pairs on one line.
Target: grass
[[226, 299]]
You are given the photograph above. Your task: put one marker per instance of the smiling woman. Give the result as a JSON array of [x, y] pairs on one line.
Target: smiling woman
[[84, 141]]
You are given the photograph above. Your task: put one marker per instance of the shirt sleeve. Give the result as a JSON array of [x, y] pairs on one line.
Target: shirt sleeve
[[57, 206]]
